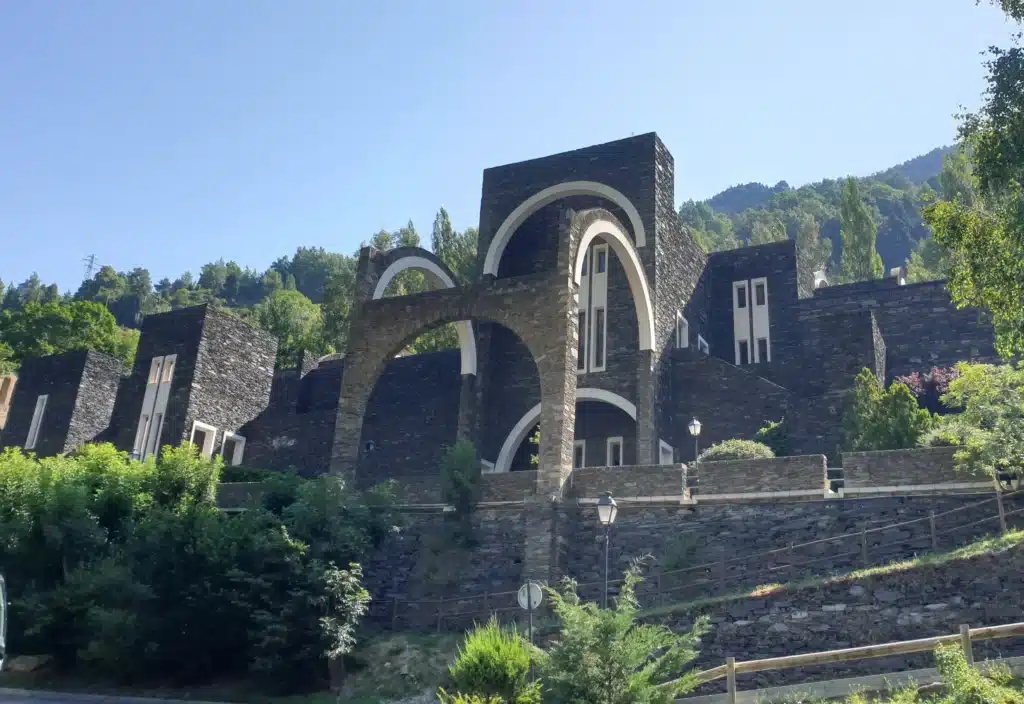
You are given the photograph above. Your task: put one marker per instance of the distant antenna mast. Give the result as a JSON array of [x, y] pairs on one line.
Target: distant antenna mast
[[90, 265]]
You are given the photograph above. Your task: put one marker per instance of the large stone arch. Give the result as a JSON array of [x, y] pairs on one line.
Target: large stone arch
[[528, 207], [404, 258], [519, 432], [598, 222], [540, 310]]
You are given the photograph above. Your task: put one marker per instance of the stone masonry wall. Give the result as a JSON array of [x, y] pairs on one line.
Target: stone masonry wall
[[920, 603], [58, 377], [800, 473], [101, 376], [650, 480], [930, 465]]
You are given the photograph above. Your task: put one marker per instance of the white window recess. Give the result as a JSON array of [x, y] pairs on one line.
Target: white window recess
[[702, 345], [232, 449], [579, 454], [592, 346], [37, 421], [665, 453], [762, 345], [154, 406], [614, 452], [741, 321], [203, 437], [682, 331]]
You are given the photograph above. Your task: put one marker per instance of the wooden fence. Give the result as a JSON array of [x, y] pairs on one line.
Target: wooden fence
[[965, 638]]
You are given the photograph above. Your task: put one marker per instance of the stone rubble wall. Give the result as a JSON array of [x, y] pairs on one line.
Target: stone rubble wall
[[801, 473], [917, 466], [637, 481]]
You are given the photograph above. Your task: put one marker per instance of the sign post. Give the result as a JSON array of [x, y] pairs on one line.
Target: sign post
[[530, 596]]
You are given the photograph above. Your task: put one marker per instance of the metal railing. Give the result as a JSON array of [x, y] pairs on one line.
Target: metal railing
[[844, 552], [965, 638]]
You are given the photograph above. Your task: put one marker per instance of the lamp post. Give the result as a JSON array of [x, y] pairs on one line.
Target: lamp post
[[607, 509], [694, 428]]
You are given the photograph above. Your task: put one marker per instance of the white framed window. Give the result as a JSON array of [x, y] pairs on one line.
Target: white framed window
[[581, 343], [154, 406], [761, 352], [232, 447], [665, 453], [742, 352], [601, 257], [761, 349], [203, 437], [740, 287], [614, 452], [579, 454], [702, 345], [682, 331], [741, 321], [600, 338], [37, 421]]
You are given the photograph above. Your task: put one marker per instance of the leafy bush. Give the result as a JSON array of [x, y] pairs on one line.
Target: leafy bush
[[776, 436], [736, 450], [460, 487], [606, 655], [966, 685], [949, 431], [929, 387], [130, 569], [878, 419], [494, 664]]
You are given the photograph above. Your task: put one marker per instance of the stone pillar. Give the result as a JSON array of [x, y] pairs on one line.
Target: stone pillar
[[646, 410], [357, 381], [557, 369], [539, 553]]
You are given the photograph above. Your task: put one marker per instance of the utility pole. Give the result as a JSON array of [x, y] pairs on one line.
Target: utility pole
[[90, 265]]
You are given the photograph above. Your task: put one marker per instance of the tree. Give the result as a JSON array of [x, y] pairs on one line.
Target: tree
[[41, 329], [991, 399], [812, 251], [457, 251], [493, 663], [878, 419], [861, 260], [295, 321], [604, 656]]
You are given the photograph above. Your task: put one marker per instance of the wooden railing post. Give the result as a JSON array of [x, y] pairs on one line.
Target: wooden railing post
[[1002, 511], [730, 680], [965, 643], [935, 535], [864, 545]]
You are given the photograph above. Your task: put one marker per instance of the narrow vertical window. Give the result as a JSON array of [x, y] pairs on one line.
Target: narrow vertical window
[[579, 453], [233, 449], [614, 457], [682, 332], [602, 260], [599, 339], [741, 296], [37, 421], [140, 435], [744, 352], [581, 343], [759, 295], [762, 349]]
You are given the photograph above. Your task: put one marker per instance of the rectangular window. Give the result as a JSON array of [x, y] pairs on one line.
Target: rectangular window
[[602, 259], [579, 453], [762, 349], [744, 353], [232, 449], [140, 434], [664, 453], [759, 295], [153, 435], [599, 335], [702, 345], [203, 437], [614, 452], [168, 369], [682, 332], [154, 370], [37, 421], [581, 343], [741, 296]]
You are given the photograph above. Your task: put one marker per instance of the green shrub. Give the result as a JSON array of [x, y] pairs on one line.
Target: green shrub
[[966, 685], [736, 450], [879, 419], [493, 663], [777, 437]]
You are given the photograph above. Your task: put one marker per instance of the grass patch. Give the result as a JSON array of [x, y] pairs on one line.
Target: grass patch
[[984, 546]]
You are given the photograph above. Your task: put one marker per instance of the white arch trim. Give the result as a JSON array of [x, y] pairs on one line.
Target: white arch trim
[[467, 342], [537, 201], [627, 255], [519, 431]]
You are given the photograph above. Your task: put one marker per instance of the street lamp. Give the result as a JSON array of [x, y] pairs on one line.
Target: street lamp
[[694, 428], [607, 509]]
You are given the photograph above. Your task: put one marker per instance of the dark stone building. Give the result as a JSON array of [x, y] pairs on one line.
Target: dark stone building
[[595, 316]]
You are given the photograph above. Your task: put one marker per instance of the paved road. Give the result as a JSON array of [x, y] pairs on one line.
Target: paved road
[[23, 696]]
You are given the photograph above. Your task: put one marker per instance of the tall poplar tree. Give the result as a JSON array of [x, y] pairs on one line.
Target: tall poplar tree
[[861, 260]]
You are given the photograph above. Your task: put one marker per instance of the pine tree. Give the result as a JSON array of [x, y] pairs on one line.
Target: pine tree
[[861, 261]]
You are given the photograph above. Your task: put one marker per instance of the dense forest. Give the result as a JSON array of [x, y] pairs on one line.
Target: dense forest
[[304, 299]]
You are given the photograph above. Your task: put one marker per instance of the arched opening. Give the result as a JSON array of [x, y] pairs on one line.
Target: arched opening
[[610, 198], [413, 274], [601, 418], [417, 403]]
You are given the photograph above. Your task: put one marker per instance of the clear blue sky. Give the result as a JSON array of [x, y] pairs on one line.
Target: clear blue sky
[[168, 134]]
